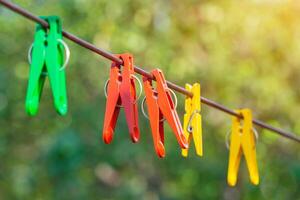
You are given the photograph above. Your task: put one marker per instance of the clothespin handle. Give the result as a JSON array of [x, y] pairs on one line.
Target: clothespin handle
[[155, 117], [248, 145], [129, 97], [36, 79], [113, 103], [54, 63]]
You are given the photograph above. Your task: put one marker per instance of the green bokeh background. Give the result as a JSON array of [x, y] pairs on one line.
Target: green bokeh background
[[244, 54]]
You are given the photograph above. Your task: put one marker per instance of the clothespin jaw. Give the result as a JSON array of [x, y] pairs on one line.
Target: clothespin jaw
[[167, 107], [121, 92], [47, 57], [242, 142], [37, 66], [155, 117], [192, 119]]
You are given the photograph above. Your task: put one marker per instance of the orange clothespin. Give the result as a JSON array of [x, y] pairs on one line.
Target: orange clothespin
[[121, 93], [161, 106], [242, 141], [192, 122]]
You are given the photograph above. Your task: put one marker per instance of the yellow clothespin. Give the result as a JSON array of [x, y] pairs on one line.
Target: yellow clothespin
[[192, 119], [242, 141]]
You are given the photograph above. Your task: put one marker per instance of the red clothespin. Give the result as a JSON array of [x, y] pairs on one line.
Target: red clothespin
[[161, 106], [121, 93]]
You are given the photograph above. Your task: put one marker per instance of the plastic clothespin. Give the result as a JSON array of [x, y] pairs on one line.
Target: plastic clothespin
[[47, 57], [242, 141], [121, 92], [192, 125], [160, 106]]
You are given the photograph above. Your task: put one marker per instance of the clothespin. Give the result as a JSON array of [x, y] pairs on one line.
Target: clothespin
[[161, 106], [121, 93], [46, 58], [192, 125], [242, 141]]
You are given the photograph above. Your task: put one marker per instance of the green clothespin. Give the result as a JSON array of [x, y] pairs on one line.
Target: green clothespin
[[47, 60]]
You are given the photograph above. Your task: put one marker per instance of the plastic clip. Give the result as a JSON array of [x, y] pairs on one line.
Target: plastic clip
[[46, 58], [121, 93], [192, 124], [160, 106], [242, 141]]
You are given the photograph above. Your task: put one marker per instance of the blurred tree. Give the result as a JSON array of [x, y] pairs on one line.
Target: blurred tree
[[244, 54]]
